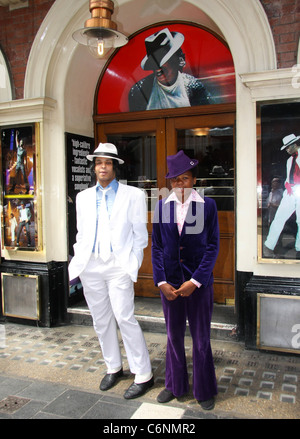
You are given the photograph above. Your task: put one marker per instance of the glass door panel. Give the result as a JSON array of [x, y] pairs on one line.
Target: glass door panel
[[138, 150], [142, 146], [213, 148]]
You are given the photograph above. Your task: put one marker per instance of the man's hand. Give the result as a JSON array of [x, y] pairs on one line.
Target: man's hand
[[186, 289], [168, 291]]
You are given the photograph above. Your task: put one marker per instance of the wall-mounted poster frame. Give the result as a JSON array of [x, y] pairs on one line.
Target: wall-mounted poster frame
[[278, 327], [21, 227], [168, 65], [278, 181], [79, 177]]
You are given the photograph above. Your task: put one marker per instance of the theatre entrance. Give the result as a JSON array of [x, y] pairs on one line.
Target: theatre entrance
[[144, 145]]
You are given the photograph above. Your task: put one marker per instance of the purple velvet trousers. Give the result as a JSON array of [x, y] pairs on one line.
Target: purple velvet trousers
[[197, 308]]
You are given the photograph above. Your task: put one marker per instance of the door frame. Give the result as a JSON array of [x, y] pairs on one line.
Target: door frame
[[162, 122], [145, 286], [111, 123], [155, 125]]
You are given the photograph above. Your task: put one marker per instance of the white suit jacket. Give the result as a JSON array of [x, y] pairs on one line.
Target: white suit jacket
[[129, 234]]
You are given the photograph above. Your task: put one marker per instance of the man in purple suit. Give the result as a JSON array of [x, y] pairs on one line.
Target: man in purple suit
[[185, 246]]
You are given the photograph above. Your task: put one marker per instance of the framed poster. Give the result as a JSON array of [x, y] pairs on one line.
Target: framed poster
[[21, 201], [278, 143], [79, 177], [170, 65]]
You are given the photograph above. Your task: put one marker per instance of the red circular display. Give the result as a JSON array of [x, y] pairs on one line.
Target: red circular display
[[207, 58]]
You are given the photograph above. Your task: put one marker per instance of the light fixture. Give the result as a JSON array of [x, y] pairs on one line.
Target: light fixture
[[100, 33]]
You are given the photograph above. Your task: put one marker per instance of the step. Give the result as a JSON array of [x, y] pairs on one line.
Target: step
[[149, 314]]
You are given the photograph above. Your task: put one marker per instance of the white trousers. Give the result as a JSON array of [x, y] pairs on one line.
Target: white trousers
[[288, 205], [109, 294]]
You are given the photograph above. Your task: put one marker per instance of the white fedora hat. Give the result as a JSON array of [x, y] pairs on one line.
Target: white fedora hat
[[289, 140], [160, 47], [107, 150]]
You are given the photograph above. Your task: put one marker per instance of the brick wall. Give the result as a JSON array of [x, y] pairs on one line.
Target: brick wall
[[19, 27], [284, 18], [17, 32]]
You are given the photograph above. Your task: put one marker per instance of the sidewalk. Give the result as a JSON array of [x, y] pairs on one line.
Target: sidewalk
[[54, 373]]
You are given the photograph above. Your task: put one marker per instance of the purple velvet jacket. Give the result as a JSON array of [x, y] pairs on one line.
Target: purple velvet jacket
[[178, 258]]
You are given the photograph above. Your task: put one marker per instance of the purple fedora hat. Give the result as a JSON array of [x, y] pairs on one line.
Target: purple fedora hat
[[179, 163]]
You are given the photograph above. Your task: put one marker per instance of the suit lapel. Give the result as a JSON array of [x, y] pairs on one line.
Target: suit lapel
[[119, 200], [92, 206], [169, 216]]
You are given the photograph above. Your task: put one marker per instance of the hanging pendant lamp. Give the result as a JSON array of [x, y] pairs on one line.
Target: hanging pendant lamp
[[100, 33]]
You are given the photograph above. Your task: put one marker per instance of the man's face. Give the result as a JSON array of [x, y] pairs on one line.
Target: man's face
[[275, 184], [183, 184], [104, 171], [167, 74], [292, 149]]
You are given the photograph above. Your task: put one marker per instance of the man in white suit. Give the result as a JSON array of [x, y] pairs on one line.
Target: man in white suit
[[290, 201], [108, 276]]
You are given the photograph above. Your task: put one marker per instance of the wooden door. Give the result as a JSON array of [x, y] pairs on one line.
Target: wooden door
[[210, 139], [142, 145], [145, 144]]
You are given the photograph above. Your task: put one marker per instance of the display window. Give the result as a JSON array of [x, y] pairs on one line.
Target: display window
[[21, 200]]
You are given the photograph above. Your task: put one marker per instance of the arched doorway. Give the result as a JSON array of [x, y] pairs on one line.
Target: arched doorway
[[205, 129], [63, 77]]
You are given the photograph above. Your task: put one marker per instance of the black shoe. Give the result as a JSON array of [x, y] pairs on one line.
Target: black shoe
[[136, 390], [165, 396], [209, 404], [110, 380]]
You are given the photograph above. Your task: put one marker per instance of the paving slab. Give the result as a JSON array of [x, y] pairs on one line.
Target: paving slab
[[54, 373]]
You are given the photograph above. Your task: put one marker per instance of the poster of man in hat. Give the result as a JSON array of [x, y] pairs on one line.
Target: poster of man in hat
[[290, 201], [18, 167], [19, 145], [178, 65], [279, 175], [168, 86]]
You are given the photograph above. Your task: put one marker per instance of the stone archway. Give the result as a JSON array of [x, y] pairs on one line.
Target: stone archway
[[5, 81], [243, 27], [61, 70]]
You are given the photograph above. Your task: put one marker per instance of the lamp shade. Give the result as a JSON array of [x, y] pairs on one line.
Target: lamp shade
[[100, 33], [100, 40]]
